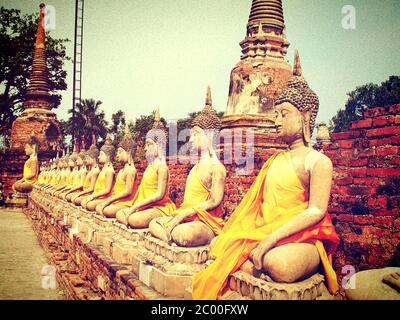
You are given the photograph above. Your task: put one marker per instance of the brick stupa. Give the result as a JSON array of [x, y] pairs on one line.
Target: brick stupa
[[262, 73], [37, 116]]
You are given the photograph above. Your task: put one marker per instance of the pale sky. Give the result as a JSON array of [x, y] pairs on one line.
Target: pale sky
[[142, 54]]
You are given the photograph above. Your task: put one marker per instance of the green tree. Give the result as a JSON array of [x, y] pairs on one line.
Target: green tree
[[363, 98], [89, 122], [17, 39], [117, 126]]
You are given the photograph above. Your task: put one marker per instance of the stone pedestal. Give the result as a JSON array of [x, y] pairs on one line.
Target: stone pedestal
[[17, 200]]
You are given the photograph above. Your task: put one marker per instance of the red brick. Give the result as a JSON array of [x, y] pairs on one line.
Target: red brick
[[344, 181], [395, 140], [387, 151], [384, 221], [364, 219], [383, 172], [380, 142], [397, 223], [341, 135], [346, 217], [386, 131], [367, 123], [357, 190], [358, 162], [357, 172], [345, 144], [386, 212]]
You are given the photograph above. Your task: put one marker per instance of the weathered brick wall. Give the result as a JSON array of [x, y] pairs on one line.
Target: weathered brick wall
[[365, 198]]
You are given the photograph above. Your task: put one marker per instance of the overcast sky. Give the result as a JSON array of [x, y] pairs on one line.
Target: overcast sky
[[140, 54]]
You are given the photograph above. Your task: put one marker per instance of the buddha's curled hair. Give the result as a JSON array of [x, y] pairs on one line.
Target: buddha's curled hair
[[299, 94], [108, 148]]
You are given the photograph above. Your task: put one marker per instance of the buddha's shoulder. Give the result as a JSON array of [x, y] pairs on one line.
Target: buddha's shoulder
[[313, 157], [218, 167]]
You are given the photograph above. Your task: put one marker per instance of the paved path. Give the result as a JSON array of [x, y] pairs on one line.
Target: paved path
[[21, 260]]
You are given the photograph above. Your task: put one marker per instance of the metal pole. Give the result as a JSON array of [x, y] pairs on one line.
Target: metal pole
[[74, 73]]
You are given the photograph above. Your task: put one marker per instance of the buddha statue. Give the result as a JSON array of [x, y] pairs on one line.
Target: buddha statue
[[63, 175], [53, 176], [281, 228], [151, 200], [124, 186], [199, 218], [80, 177], [31, 167], [93, 169], [105, 180], [71, 179]]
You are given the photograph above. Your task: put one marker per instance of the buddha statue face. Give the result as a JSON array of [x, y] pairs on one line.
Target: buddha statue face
[[122, 155], [103, 157], [89, 160], [71, 163], [30, 149], [79, 161], [151, 148], [199, 139], [291, 124]]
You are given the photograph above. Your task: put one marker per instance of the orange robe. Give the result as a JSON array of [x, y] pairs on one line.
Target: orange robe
[[148, 186], [100, 185], [28, 171], [195, 193], [276, 196]]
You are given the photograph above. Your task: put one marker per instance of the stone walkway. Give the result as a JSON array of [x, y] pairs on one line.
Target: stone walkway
[[22, 260]]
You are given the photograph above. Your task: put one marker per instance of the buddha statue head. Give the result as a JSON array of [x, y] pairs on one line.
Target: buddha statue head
[[72, 159], [92, 155], [296, 108], [127, 147], [156, 139], [81, 159], [205, 127], [32, 146], [107, 151]]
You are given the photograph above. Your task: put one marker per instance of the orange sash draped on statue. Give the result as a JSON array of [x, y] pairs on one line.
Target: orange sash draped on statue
[[275, 197]]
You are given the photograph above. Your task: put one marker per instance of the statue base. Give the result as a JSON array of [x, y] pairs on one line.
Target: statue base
[[254, 288], [17, 200]]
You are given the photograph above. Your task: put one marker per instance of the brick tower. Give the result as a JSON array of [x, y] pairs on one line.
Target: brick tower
[[262, 73], [37, 117]]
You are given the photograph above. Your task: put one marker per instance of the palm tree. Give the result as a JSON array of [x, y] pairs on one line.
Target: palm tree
[[89, 122]]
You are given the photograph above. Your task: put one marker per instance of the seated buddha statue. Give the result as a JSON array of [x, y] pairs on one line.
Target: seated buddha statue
[[80, 177], [281, 228], [124, 186], [151, 200], [105, 180], [31, 167], [54, 175], [71, 179], [199, 218], [93, 169], [63, 175]]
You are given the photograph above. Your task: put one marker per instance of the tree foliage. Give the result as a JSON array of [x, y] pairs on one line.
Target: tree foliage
[[366, 97], [17, 40]]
